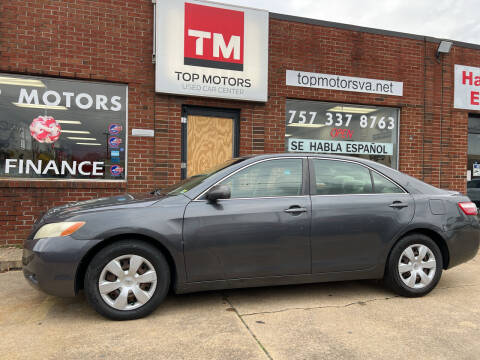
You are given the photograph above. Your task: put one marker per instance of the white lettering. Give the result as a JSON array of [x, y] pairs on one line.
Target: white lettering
[[45, 96], [31, 165], [101, 101], [83, 101], [97, 168], [86, 106], [233, 45], [200, 35], [115, 102], [24, 98], [9, 163], [71, 169], [80, 168], [68, 98], [51, 165]]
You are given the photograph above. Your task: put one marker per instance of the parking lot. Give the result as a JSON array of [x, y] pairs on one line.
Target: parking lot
[[349, 320]]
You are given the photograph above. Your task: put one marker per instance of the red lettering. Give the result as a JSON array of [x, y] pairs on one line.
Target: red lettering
[[466, 77], [343, 133], [474, 98]]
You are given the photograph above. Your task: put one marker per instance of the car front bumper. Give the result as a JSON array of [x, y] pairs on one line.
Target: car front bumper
[[51, 264]]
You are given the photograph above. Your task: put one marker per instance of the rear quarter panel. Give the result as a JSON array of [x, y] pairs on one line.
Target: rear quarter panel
[[441, 214]]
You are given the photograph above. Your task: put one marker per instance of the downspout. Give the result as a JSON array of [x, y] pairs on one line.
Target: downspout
[[424, 104]]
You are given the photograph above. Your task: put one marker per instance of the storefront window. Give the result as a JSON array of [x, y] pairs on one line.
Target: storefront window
[[56, 128], [473, 166], [370, 132]]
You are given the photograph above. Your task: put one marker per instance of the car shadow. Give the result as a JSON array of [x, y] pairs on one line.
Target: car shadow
[[69, 309]]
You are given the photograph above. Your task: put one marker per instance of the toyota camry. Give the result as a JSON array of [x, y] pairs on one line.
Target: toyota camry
[[253, 221]]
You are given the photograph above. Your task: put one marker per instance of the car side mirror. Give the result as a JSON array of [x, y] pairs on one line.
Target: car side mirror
[[218, 192]]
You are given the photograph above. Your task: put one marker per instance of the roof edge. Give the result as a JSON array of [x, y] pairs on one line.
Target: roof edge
[[369, 30]]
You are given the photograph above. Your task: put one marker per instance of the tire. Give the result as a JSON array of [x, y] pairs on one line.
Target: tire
[[130, 297], [420, 280]]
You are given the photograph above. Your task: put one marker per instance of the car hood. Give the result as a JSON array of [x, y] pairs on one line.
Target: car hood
[[106, 203]]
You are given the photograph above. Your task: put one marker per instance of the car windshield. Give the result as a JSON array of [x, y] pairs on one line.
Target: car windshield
[[189, 183]]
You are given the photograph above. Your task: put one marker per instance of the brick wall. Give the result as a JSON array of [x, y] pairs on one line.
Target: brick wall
[[87, 40], [112, 41]]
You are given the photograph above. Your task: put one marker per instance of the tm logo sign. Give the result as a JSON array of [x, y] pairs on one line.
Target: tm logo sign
[[213, 37]]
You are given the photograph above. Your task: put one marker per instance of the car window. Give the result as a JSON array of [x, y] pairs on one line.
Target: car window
[[280, 177], [473, 184], [341, 177], [382, 185], [189, 183]]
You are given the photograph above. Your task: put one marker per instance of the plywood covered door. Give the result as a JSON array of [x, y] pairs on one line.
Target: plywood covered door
[[209, 142]]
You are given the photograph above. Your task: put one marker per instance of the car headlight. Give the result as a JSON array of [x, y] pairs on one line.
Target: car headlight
[[58, 229]]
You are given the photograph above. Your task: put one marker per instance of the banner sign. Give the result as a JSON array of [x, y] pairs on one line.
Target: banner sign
[[345, 83], [339, 147], [210, 49], [467, 88]]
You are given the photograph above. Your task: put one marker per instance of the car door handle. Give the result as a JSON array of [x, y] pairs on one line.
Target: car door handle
[[295, 210], [398, 205]]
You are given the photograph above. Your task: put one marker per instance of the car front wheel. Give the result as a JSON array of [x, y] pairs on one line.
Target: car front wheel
[[127, 280], [414, 266]]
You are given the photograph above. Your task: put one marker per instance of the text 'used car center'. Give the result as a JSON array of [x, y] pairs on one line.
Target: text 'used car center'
[[133, 97]]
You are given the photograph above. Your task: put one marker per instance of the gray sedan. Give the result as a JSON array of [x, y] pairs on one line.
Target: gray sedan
[[254, 221]]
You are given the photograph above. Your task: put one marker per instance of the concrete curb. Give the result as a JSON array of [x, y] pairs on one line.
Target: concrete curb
[[10, 259], [10, 265]]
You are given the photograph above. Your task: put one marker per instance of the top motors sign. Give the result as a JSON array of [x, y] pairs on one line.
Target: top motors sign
[[210, 49]]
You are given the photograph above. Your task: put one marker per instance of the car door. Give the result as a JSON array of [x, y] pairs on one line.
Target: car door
[[262, 230], [356, 212]]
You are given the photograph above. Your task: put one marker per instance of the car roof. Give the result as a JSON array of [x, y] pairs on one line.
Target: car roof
[[328, 156]]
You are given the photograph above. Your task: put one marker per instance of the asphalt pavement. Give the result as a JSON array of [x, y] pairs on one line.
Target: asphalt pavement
[[342, 320]]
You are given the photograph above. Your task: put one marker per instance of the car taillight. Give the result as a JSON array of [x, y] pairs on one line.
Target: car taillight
[[468, 208]]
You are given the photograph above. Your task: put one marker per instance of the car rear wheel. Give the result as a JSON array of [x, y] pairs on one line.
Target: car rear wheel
[[127, 280], [414, 266]]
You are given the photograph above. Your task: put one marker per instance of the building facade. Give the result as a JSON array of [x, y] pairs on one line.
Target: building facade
[[86, 113]]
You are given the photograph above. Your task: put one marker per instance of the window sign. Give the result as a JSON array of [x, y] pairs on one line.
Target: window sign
[[369, 132], [62, 129]]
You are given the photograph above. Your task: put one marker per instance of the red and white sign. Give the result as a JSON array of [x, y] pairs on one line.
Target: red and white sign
[[213, 37], [467, 87], [210, 49], [45, 129]]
